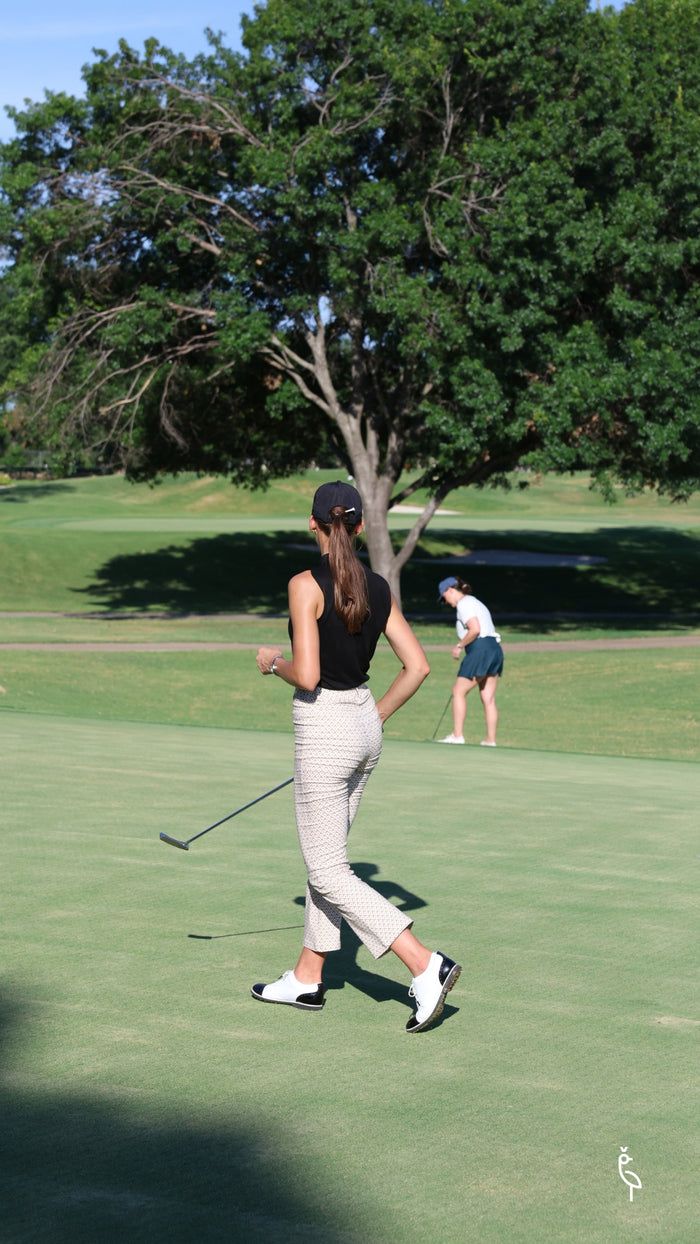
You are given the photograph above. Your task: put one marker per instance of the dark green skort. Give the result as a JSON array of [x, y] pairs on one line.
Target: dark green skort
[[483, 657]]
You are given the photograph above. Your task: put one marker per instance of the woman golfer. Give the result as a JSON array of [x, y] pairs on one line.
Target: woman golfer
[[337, 612], [479, 650]]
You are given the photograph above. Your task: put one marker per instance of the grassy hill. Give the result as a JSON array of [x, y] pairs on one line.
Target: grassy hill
[[215, 561], [197, 545]]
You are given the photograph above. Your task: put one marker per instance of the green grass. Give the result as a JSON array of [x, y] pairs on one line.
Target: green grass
[[97, 498], [626, 703], [252, 629], [147, 1097], [199, 546]]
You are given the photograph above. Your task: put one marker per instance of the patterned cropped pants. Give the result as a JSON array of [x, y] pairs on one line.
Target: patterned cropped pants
[[338, 741]]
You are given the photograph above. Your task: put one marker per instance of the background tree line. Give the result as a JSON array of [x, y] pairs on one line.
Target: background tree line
[[456, 236]]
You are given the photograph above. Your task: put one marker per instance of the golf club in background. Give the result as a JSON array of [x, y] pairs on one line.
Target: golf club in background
[[449, 701], [185, 846]]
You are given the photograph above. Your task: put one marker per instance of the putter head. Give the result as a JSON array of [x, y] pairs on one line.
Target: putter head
[[174, 842]]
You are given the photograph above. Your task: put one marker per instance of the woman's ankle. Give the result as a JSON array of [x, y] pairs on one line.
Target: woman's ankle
[[412, 953], [309, 967]]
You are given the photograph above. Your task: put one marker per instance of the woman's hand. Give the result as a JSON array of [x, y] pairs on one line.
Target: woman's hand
[[265, 657], [473, 631]]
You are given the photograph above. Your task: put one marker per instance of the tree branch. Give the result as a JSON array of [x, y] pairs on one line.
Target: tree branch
[[173, 188], [284, 365], [422, 481], [317, 344], [420, 525], [236, 125]]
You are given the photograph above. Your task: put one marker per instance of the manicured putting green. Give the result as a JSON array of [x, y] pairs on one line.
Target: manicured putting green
[[147, 1096]]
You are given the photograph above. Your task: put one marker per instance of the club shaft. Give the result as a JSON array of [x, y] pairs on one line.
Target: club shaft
[[238, 810], [442, 715]]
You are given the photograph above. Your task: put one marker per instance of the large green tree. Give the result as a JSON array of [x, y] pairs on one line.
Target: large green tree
[[450, 234]]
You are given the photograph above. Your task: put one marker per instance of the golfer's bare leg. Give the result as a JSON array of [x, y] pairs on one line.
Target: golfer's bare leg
[[460, 691], [487, 691], [309, 968], [410, 951]]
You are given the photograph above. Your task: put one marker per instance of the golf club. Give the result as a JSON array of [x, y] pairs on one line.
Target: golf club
[[185, 846], [449, 701]]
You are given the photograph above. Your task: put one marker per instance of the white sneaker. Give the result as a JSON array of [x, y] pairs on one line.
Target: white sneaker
[[291, 992], [430, 990], [452, 738], [486, 743]]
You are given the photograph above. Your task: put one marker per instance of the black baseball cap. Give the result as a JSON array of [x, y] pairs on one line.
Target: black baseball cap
[[328, 496]]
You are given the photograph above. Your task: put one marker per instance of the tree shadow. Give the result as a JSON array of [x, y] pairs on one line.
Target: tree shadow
[[112, 1169], [23, 493], [241, 573], [648, 578]]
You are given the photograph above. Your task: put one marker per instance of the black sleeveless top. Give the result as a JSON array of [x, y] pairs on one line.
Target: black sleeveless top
[[345, 658]]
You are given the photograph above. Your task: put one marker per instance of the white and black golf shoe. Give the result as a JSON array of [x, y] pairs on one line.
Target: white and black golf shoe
[[430, 990], [288, 991]]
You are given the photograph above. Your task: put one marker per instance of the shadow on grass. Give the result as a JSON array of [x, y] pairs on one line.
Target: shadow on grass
[[23, 493], [114, 1168], [242, 573], [215, 937], [342, 967], [649, 577]]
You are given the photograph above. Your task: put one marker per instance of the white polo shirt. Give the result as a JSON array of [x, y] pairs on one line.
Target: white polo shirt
[[469, 607]]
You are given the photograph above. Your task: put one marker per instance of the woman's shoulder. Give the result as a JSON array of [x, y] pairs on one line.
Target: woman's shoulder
[[466, 603], [302, 582]]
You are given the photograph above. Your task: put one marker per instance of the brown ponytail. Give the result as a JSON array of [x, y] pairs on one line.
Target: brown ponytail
[[349, 580], [464, 588]]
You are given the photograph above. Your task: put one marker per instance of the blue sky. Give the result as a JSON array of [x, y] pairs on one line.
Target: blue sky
[[44, 44]]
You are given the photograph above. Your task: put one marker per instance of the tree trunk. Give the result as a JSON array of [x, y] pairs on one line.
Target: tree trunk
[[376, 469], [376, 491], [378, 539]]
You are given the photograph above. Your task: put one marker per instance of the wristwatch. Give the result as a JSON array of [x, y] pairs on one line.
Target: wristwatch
[[273, 666]]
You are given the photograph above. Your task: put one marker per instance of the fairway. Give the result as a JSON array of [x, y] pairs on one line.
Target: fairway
[[147, 1096], [198, 545], [197, 561]]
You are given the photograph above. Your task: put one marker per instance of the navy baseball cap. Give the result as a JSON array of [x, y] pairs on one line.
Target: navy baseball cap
[[444, 584], [328, 496]]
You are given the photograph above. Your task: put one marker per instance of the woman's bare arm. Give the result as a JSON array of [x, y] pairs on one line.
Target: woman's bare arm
[[472, 632], [415, 667], [305, 605]]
